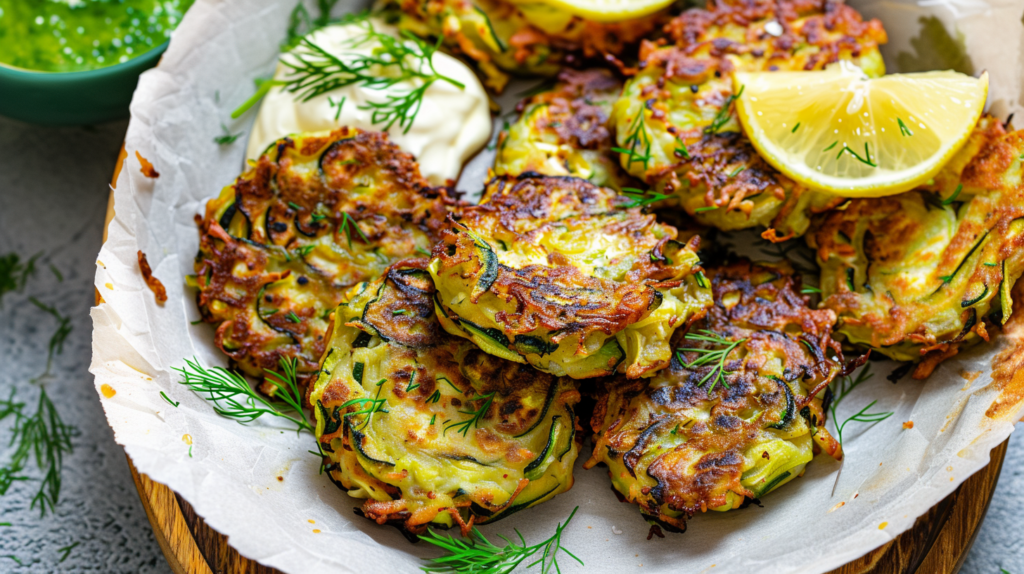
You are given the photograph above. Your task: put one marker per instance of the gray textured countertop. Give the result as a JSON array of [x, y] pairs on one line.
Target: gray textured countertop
[[53, 196]]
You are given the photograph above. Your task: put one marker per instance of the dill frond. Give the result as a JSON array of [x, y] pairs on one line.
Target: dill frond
[[313, 71], [480, 556], [714, 357], [232, 396]]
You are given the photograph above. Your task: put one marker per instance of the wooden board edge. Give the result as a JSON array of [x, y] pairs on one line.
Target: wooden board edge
[[170, 529], [966, 519], [938, 542]]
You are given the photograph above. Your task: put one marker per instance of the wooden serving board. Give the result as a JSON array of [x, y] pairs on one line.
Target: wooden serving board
[[938, 542]]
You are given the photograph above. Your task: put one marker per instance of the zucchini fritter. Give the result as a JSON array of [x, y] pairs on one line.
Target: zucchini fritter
[[425, 426], [314, 215], [917, 277], [680, 443], [504, 37], [675, 114], [566, 130], [561, 274]]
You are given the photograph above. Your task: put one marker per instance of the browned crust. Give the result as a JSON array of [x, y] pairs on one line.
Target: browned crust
[[146, 168], [154, 284], [983, 168], [572, 114], [558, 296], [1008, 364], [831, 26], [759, 303], [297, 208]]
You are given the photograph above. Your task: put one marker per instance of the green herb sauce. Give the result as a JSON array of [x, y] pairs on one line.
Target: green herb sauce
[[76, 35]]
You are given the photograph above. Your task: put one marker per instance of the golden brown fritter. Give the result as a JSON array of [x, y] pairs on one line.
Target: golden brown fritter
[[505, 37], [676, 117], [314, 215], [737, 413], [919, 275], [426, 427], [562, 274], [566, 130]]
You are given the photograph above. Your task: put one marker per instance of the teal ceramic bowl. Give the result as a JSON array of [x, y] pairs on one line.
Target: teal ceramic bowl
[[73, 98]]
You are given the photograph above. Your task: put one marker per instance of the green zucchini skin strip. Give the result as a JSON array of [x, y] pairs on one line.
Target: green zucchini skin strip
[[440, 423], [569, 279], [266, 246], [677, 445], [932, 275], [787, 415]]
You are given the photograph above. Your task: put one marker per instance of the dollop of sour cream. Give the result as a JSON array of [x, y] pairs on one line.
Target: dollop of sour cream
[[451, 125]]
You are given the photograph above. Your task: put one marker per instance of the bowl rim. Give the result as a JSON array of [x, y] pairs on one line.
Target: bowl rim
[[14, 72]]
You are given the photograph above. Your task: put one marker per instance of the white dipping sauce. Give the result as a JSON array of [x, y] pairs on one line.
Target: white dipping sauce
[[453, 123]]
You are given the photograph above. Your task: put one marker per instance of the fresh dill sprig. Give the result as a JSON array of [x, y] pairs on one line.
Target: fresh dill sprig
[[301, 23], [227, 137], [168, 399], [904, 130], [232, 396], [949, 200], [337, 104], [42, 435], [479, 556], [866, 160], [863, 416], [796, 127], [641, 198], [716, 357], [313, 71], [724, 113], [347, 223], [845, 385], [474, 416], [14, 274], [638, 139], [66, 551], [705, 208], [810, 290], [376, 404], [56, 345]]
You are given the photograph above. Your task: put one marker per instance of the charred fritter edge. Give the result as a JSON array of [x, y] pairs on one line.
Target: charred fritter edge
[[675, 115], [675, 446], [917, 277], [519, 38], [314, 215], [555, 272], [395, 405], [566, 130]]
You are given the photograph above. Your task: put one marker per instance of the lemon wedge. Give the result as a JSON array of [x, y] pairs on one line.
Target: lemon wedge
[[606, 11], [840, 132]]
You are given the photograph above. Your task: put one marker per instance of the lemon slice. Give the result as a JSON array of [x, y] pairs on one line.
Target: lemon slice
[[605, 11], [839, 131]]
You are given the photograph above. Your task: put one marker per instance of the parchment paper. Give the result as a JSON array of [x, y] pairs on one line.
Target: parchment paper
[[258, 485]]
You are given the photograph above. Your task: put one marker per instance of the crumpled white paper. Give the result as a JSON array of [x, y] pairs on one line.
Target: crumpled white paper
[[258, 485]]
